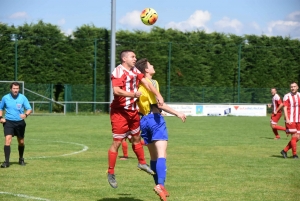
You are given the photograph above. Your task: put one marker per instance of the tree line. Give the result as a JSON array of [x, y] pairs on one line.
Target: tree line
[[185, 62]]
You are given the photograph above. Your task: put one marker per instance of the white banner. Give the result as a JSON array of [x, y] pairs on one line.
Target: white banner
[[220, 110]]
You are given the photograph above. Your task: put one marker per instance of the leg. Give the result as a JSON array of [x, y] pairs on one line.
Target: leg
[[112, 159], [153, 160], [138, 149], [275, 131], [125, 150], [294, 141], [274, 119], [112, 156], [7, 151], [21, 147], [161, 168]]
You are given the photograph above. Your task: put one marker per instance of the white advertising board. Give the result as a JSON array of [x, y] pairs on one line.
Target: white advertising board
[[220, 110]]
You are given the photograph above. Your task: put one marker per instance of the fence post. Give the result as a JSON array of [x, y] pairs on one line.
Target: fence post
[[239, 71], [16, 57], [51, 97], [95, 71], [169, 70]]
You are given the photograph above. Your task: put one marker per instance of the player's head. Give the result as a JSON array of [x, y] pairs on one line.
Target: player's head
[[128, 58], [273, 91], [14, 88], [145, 67], [294, 87]]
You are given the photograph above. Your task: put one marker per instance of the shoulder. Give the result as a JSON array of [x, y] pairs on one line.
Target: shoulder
[[24, 96], [135, 70], [276, 96], [286, 96], [5, 96], [118, 71]]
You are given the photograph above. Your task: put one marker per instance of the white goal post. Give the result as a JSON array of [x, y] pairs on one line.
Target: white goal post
[[5, 87]]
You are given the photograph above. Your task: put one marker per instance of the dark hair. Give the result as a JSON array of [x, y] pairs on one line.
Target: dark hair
[[293, 83], [141, 65], [14, 84], [124, 53]]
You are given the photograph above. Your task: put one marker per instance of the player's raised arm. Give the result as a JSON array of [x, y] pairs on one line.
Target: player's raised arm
[[168, 109], [150, 87]]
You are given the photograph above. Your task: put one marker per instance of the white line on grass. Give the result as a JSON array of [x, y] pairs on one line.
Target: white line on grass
[[85, 148], [24, 196]]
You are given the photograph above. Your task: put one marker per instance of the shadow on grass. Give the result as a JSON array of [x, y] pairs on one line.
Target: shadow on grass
[[120, 199], [125, 159], [268, 138], [280, 156], [15, 163]]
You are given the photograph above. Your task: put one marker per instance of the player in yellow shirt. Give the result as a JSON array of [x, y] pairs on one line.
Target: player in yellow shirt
[[153, 128]]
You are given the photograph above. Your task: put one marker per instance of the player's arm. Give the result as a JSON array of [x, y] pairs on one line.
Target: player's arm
[[168, 109], [287, 120], [151, 88], [279, 108], [2, 120], [27, 108], [120, 92]]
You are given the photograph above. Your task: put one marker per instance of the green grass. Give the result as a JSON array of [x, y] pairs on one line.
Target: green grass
[[209, 158]]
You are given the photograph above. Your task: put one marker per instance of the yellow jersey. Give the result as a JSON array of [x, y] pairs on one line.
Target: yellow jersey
[[147, 98]]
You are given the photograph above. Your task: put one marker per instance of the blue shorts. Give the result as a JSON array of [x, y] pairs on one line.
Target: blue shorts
[[153, 128]]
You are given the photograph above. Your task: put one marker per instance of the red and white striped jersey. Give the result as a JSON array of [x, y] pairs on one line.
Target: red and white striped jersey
[[127, 80], [292, 102], [276, 101]]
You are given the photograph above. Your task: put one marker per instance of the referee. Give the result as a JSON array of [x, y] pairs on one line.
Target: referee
[[13, 123]]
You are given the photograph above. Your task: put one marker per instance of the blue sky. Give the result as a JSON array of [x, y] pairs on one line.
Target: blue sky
[[268, 17]]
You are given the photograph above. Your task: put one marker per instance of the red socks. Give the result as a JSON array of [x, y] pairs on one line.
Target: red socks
[[112, 159], [139, 152], [281, 128], [125, 148], [292, 145], [276, 133]]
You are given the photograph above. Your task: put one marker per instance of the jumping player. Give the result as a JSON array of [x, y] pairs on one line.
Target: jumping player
[[124, 115], [153, 128]]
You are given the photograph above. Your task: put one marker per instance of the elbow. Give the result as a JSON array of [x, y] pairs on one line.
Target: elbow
[[160, 106]]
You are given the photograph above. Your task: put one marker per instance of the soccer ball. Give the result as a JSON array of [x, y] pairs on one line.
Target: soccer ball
[[149, 16]]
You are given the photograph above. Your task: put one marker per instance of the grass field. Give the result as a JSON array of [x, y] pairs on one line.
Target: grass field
[[209, 158]]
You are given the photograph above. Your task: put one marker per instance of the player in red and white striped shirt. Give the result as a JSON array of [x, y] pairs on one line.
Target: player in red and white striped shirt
[[276, 113], [124, 116], [291, 102]]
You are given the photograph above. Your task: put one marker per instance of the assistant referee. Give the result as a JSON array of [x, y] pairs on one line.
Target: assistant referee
[[13, 122]]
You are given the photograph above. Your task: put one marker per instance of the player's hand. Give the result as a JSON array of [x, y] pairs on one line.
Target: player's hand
[[181, 116], [288, 121], [275, 112], [160, 100], [137, 94], [2, 120]]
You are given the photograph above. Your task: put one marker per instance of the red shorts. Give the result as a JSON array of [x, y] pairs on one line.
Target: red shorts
[[293, 128], [275, 118], [124, 123]]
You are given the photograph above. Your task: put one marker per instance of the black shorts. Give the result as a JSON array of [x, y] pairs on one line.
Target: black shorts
[[14, 128]]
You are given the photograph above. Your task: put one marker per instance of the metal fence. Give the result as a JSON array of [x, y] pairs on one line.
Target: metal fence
[[80, 98]]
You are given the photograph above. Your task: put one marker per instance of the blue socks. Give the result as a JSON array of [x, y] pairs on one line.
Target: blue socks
[[161, 170], [153, 167]]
